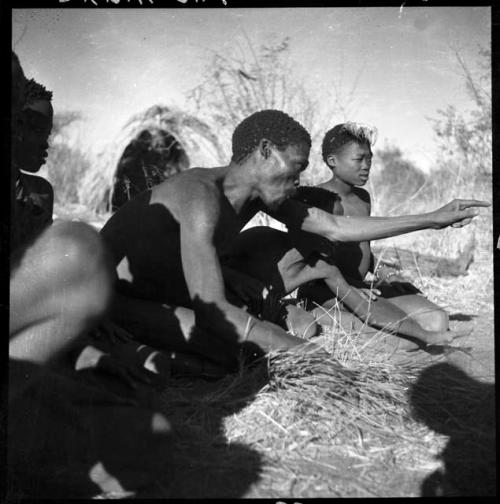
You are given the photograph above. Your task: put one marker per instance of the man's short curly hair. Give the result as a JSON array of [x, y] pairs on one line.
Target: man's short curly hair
[[36, 92], [274, 125], [342, 134]]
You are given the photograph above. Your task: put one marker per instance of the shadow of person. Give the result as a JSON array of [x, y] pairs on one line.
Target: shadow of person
[[462, 317], [70, 439], [74, 435], [452, 403], [207, 463]]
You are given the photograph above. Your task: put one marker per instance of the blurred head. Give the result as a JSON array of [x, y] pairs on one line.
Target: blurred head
[[36, 124], [278, 147], [347, 151]]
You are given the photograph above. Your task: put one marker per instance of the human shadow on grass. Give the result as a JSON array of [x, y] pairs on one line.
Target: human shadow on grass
[[205, 463], [69, 432], [452, 403], [69, 438]]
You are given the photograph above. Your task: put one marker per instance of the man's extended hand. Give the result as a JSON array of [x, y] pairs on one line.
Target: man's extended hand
[[457, 213]]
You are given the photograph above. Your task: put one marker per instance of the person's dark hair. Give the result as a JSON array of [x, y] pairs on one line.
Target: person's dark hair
[[273, 125], [342, 134], [36, 92]]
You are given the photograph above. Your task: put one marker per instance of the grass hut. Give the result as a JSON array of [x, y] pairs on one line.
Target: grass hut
[[158, 142]]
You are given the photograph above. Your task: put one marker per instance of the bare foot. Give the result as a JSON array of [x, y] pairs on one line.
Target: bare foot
[[301, 322], [444, 337]]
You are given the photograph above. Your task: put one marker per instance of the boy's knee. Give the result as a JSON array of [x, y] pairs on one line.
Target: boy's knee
[[82, 248], [84, 265], [436, 320]]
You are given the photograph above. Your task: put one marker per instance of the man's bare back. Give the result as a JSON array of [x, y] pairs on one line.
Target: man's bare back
[[145, 236]]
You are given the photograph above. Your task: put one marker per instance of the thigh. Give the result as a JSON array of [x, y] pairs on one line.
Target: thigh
[[53, 273]]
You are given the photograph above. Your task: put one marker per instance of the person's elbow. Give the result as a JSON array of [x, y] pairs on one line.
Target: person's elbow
[[338, 233]]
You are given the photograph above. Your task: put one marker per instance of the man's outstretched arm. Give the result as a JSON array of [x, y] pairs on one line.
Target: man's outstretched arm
[[297, 215]]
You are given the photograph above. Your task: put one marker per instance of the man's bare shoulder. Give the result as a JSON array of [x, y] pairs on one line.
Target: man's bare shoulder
[[189, 193]]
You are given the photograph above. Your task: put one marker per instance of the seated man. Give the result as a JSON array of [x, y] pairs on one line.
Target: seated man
[[172, 244]]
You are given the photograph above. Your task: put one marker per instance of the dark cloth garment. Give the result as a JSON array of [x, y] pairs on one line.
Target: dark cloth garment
[[317, 197], [31, 214], [347, 255]]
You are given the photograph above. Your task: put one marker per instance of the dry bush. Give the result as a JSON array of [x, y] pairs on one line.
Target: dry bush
[[247, 78], [193, 136], [463, 170], [67, 162]]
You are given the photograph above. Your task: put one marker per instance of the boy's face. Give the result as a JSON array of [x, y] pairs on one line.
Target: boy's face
[[36, 127], [352, 163], [280, 173]]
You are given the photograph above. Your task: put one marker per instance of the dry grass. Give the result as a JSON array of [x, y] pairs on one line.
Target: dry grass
[[348, 421]]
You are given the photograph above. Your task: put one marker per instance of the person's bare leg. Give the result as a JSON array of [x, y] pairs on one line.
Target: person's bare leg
[[60, 287], [427, 314], [382, 313]]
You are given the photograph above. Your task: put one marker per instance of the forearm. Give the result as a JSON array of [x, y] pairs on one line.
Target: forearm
[[239, 326], [356, 229]]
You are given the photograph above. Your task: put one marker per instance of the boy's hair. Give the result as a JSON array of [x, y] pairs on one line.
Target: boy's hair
[[341, 134], [274, 125], [36, 92]]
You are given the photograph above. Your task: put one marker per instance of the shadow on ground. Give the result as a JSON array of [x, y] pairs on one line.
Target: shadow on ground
[[207, 465], [85, 434], [462, 317], [452, 403]]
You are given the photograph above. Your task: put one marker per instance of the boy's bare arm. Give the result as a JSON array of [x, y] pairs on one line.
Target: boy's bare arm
[[295, 214]]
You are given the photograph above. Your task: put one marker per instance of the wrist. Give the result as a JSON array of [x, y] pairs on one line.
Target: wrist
[[432, 220]]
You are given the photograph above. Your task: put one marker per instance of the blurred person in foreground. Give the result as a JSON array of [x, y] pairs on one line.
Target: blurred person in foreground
[[172, 245], [66, 437]]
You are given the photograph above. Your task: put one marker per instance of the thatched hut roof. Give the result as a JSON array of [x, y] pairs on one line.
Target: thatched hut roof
[[195, 138]]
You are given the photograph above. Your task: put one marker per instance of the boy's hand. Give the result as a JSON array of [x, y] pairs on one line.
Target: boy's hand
[[457, 213]]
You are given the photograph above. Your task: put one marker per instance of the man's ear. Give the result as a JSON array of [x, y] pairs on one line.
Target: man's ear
[[330, 160], [265, 146]]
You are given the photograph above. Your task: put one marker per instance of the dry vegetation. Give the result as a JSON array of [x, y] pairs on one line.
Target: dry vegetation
[[354, 420]]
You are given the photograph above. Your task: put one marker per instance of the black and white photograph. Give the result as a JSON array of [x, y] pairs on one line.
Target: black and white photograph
[[250, 251]]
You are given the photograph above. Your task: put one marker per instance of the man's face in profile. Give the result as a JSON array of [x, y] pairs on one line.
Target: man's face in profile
[[281, 173]]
